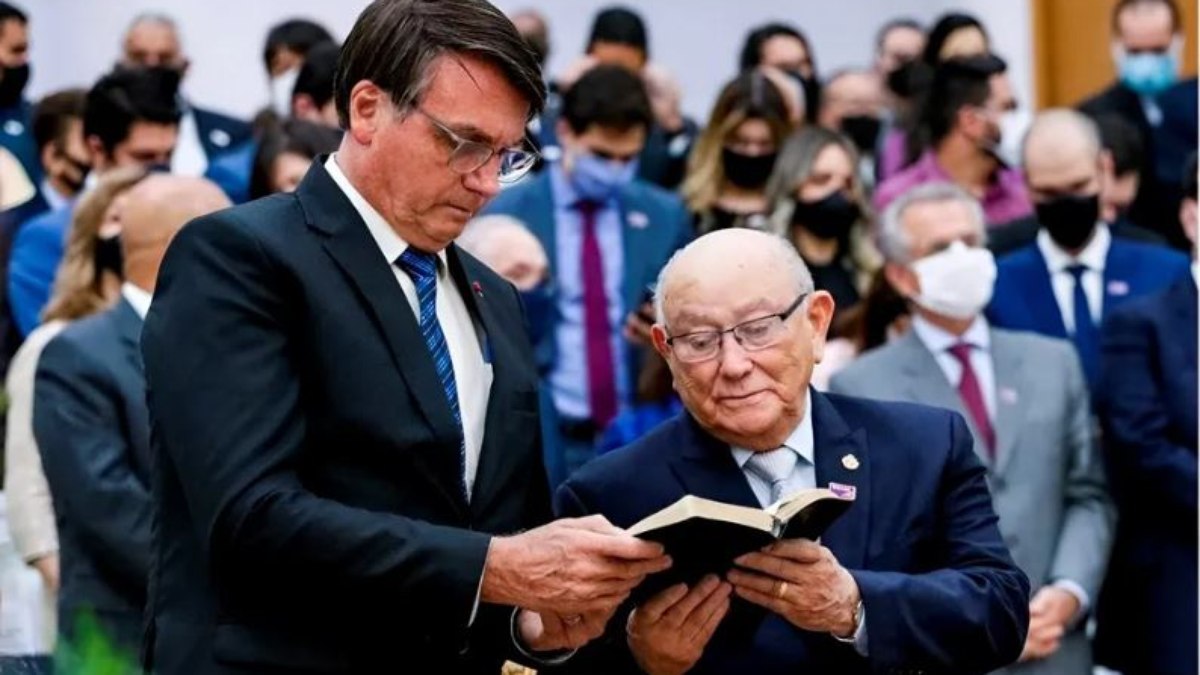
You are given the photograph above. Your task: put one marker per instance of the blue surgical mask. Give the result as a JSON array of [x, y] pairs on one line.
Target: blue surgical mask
[[540, 310], [1149, 73], [598, 179]]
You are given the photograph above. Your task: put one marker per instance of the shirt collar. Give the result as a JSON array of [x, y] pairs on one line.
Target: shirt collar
[[937, 340], [1092, 256], [800, 441], [137, 298], [390, 244], [53, 198]]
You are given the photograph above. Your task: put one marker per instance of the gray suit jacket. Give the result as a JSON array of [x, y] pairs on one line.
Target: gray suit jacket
[[1047, 482]]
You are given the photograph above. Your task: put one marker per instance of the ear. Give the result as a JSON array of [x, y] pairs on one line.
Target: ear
[[902, 279], [369, 109], [820, 315], [48, 155], [303, 107], [658, 336], [97, 151]]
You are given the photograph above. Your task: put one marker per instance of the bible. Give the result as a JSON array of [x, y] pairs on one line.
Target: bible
[[703, 536]]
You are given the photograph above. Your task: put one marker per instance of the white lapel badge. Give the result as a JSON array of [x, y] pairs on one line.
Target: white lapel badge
[[638, 220], [219, 137], [1118, 287], [850, 462], [14, 128]]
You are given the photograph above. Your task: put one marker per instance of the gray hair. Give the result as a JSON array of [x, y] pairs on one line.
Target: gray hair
[[893, 240], [482, 228], [781, 247], [160, 18]]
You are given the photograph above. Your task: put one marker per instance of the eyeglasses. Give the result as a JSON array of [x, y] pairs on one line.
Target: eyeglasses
[[751, 335], [469, 156]]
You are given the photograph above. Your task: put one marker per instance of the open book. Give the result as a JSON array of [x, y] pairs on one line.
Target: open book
[[703, 536]]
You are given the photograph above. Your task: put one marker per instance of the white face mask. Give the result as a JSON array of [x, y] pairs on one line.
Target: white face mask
[[957, 282], [281, 91], [1013, 126]]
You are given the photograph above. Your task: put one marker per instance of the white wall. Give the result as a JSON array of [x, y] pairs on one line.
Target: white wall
[[74, 41]]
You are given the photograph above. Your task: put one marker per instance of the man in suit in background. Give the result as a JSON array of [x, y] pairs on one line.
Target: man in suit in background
[[1025, 400], [130, 117], [16, 131], [1147, 403], [607, 235], [345, 405], [914, 577], [152, 41], [93, 431], [1076, 271]]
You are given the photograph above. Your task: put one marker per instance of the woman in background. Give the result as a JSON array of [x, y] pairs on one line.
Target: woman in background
[[285, 154]]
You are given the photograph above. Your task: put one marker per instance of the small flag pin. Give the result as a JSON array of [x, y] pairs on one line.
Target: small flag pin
[[850, 462], [478, 289]]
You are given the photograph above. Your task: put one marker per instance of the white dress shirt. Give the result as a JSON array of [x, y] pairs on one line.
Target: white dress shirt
[[472, 375], [188, 158], [1093, 256], [137, 297], [939, 342], [53, 198]]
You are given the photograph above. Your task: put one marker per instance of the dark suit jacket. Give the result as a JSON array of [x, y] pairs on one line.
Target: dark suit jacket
[[93, 432], [1147, 399], [220, 133], [941, 593], [308, 514], [1022, 232], [1024, 298], [16, 136]]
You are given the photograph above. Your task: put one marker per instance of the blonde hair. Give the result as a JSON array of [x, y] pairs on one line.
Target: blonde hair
[[750, 95], [78, 290]]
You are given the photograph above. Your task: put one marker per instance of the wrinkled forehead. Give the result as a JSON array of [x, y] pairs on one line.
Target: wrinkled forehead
[[708, 289]]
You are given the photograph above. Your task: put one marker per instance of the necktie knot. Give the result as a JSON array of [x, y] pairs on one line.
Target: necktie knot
[[419, 265], [1076, 271], [774, 467], [961, 351]]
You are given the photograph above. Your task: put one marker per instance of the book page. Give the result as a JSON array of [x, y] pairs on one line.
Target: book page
[[692, 506]]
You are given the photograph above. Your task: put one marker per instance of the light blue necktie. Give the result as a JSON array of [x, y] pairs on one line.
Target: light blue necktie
[[773, 467]]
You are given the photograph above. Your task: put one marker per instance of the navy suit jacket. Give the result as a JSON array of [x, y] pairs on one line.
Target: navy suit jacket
[[36, 251], [93, 432], [655, 225], [1147, 400], [941, 593], [1024, 298], [16, 136], [220, 133]]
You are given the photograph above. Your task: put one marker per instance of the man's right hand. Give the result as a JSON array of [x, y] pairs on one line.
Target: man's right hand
[[569, 567], [47, 566], [668, 634]]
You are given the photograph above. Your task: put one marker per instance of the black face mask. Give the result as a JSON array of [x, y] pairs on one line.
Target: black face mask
[[723, 219], [1070, 219], [827, 218], [747, 171], [74, 181], [109, 257], [863, 130], [12, 85]]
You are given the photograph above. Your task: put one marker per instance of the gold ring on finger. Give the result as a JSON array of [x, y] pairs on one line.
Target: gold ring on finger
[[781, 590]]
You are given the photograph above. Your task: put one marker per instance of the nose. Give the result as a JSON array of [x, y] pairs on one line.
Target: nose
[[485, 180], [734, 359]]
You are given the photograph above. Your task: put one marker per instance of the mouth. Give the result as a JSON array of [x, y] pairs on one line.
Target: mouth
[[743, 400]]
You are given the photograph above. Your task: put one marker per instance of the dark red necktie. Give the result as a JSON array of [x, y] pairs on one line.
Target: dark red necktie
[[972, 397], [602, 388]]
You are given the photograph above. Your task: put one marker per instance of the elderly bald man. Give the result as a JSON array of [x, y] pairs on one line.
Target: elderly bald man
[[1066, 281], [91, 423], [913, 577]]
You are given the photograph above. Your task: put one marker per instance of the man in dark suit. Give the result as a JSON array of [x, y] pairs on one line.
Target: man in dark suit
[[16, 132], [93, 431], [1147, 402], [607, 235], [914, 577], [1148, 37], [344, 403], [152, 41], [1076, 271]]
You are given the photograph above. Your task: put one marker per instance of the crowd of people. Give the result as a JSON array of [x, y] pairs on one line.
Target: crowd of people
[[944, 243]]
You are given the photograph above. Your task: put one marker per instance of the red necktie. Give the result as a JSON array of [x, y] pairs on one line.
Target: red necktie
[[972, 397], [602, 388]]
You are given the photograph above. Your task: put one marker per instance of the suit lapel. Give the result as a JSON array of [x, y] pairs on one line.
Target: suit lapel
[[842, 457], [354, 251], [129, 327], [1008, 366], [1118, 272], [542, 218], [707, 469], [1043, 304], [635, 227]]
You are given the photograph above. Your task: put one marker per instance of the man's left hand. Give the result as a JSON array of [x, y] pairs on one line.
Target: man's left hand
[[547, 632], [801, 581], [1050, 612]]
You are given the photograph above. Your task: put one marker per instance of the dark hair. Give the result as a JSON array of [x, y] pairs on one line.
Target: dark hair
[[752, 48], [316, 75], [619, 25], [1123, 141], [9, 12], [895, 24], [297, 35], [1189, 178], [945, 26], [958, 83], [129, 95], [395, 42], [1120, 7], [53, 114], [866, 324], [607, 96], [298, 137]]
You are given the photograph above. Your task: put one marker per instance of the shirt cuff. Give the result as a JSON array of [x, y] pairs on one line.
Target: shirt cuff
[[1080, 595], [859, 639], [479, 588], [546, 658]]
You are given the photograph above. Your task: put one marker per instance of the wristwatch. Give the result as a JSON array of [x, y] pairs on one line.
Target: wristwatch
[[859, 615]]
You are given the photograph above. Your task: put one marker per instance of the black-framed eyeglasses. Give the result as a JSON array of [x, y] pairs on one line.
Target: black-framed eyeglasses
[[468, 156], [752, 335]]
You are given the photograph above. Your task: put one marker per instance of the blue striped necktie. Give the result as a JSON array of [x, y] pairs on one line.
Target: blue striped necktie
[[422, 268]]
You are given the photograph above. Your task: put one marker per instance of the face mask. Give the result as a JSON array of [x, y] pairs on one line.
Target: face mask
[[1013, 126], [1070, 219], [1148, 73], [281, 92], [598, 179], [747, 171], [863, 130], [540, 310], [957, 282], [108, 256], [158, 167], [75, 179], [13, 84], [826, 218]]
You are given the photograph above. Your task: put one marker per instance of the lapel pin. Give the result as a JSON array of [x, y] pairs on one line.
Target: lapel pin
[[638, 220], [850, 462], [477, 288], [1008, 395], [1118, 287], [220, 138], [841, 491]]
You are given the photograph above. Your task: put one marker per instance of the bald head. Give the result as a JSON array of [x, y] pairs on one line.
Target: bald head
[[152, 40], [154, 211], [1062, 153], [508, 247]]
